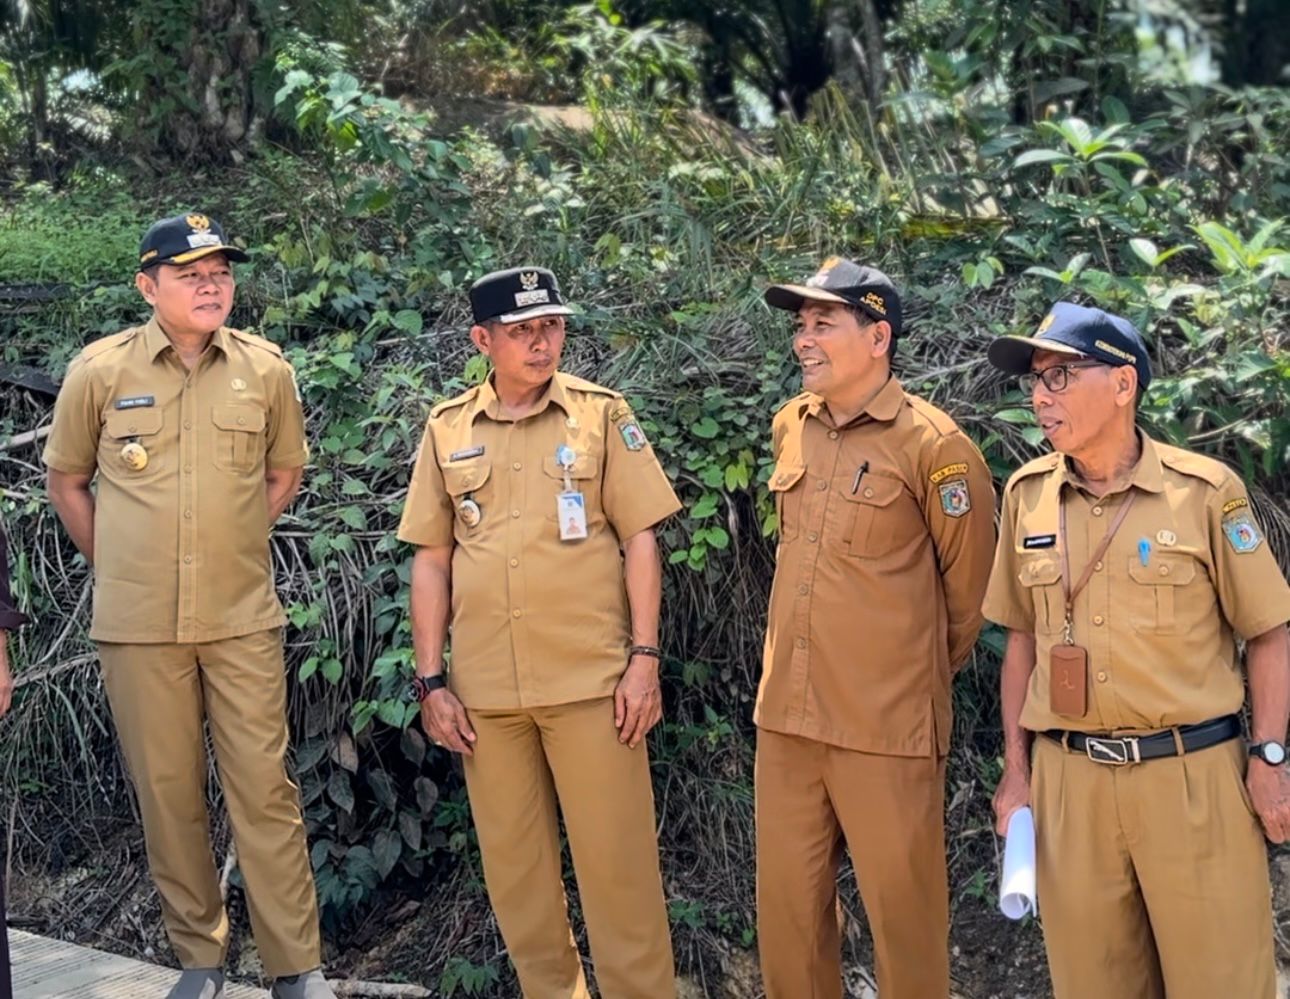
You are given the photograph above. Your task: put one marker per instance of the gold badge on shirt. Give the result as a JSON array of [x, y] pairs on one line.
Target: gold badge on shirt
[[135, 456], [238, 385], [469, 512]]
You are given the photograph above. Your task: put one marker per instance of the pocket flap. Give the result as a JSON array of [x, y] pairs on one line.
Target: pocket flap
[[462, 477], [239, 416], [1040, 572], [132, 423], [876, 490], [785, 477], [584, 467], [1163, 570]]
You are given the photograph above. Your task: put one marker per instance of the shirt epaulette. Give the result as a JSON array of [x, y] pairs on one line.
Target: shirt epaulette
[[1197, 466], [455, 402], [103, 345], [255, 341], [582, 385]]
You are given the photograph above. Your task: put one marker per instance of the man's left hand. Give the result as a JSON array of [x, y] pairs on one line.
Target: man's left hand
[[638, 702], [1269, 789]]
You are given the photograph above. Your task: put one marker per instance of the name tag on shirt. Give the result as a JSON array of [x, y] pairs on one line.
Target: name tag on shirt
[[470, 452], [1039, 541], [571, 515], [136, 402]]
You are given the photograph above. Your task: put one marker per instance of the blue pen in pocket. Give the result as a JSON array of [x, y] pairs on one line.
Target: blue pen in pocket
[[1144, 551]]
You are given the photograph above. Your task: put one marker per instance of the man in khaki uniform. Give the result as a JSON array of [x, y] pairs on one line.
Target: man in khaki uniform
[[886, 526], [195, 436], [533, 503], [1126, 569]]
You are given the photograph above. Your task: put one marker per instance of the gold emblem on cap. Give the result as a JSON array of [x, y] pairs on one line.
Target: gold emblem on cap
[[1167, 538], [239, 385], [1048, 321], [134, 456], [196, 221], [529, 280], [875, 302]]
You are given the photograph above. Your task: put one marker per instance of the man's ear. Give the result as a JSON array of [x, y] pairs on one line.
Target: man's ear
[[481, 338], [881, 338], [1126, 385], [147, 287]]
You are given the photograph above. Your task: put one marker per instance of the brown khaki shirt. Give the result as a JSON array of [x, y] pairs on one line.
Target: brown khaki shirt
[[181, 545], [536, 621], [878, 577], [1160, 630]]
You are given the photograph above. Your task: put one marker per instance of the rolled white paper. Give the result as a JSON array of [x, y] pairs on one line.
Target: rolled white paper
[[1017, 885]]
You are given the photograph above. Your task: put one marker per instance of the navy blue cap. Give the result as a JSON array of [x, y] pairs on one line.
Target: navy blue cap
[[183, 239], [514, 295], [1083, 332], [845, 281]]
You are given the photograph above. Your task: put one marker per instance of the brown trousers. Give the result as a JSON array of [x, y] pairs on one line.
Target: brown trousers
[[890, 811], [160, 696], [524, 760], [1152, 878]]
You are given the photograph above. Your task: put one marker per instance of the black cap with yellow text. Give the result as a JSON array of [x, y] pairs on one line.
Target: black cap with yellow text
[[1077, 330], [845, 281], [183, 239]]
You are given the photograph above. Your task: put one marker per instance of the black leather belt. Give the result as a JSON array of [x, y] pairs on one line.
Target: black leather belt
[[1116, 751]]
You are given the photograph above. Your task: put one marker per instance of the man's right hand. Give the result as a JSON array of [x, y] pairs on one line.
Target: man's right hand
[[444, 719], [1012, 793]]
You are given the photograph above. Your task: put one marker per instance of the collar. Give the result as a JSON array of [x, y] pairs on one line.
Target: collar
[[487, 402], [1148, 474], [885, 406], [155, 339]]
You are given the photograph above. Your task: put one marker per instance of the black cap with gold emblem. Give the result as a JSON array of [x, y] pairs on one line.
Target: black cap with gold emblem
[[183, 239], [514, 295], [845, 281]]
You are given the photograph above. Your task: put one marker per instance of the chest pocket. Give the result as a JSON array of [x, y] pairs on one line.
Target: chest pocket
[[1041, 577], [787, 488], [468, 480], [1157, 588], [133, 426], [239, 437], [879, 517], [582, 477]]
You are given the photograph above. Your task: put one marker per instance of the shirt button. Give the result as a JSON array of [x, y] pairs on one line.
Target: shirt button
[[517, 466], [812, 537], [1098, 619], [1097, 511], [801, 643], [188, 560], [515, 613], [822, 486], [188, 424], [1097, 566], [514, 562], [468, 480], [188, 469], [803, 590], [515, 513], [188, 515], [868, 493], [1101, 677], [1164, 570], [241, 421], [133, 428], [833, 435]]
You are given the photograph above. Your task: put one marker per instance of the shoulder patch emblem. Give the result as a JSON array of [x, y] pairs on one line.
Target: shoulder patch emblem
[[619, 412], [955, 499], [959, 468], [1242, 533], [1235, 504], [633, 436]]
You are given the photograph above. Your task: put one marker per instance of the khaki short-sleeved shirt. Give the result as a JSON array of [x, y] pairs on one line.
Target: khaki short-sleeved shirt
[[879, 576], [1159, 628], [181, 545], [536, 621]]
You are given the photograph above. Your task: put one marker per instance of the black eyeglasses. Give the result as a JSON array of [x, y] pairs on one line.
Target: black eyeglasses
[[1056, 378]]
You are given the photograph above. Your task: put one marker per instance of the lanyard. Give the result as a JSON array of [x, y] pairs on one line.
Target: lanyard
[[1067, 591]]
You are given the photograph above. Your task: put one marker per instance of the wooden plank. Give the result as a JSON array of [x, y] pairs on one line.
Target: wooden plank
[[44, 968]]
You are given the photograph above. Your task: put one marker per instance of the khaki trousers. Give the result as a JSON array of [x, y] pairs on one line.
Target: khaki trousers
[[1152, 878], [524, 761], [890, 811], [160, 695]]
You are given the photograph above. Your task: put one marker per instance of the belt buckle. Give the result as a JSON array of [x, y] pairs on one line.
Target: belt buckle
[[1113, 752]]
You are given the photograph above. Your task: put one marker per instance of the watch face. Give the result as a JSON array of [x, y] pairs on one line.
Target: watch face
[[1273, 753]]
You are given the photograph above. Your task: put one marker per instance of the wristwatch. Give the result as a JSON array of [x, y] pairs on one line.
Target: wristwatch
[[1271, 753], [421, 686]]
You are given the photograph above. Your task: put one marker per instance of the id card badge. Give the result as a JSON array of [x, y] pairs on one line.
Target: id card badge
[[571, 515], [1068, 681]]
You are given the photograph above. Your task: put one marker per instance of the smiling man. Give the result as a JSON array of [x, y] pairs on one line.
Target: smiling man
[[533, 505], [886, 525], [1126, 570], [193, 437]]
